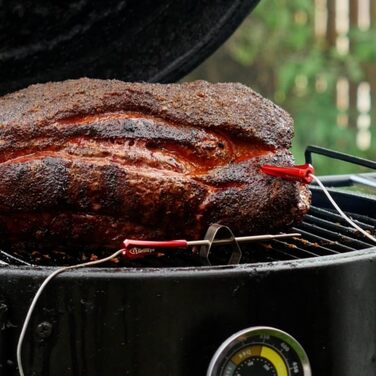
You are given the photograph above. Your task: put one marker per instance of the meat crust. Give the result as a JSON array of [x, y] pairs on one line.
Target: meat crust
[[86, 163]]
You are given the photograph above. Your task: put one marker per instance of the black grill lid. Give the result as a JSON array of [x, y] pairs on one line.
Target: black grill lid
[[132, 40]]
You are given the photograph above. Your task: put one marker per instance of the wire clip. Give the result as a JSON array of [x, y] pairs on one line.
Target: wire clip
[[302, 173]]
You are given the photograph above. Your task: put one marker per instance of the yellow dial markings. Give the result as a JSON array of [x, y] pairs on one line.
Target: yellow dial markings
[[275, 359], [245, 353], [264, 352]]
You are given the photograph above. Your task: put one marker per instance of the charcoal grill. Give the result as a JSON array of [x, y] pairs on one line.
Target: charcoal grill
[[167, 316]]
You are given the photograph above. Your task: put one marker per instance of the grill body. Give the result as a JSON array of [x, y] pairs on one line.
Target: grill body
[[170, 321]]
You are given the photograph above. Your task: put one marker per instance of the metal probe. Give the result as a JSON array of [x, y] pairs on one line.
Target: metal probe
[[134, 248], [241, 239]]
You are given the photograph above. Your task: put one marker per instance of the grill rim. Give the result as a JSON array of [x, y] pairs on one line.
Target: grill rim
[[88, 273]]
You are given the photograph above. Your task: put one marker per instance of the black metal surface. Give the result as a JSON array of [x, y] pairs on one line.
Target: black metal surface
[[3, 326], [157, 41], [171, 322]]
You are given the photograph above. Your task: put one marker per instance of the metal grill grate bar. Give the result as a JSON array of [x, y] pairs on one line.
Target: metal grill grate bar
[[332, 244], [336, 227], [294, 249], [316, 248], [367, 223], [267, 252], [333, 236]]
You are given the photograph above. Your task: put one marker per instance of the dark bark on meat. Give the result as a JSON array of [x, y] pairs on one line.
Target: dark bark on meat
[[86, 163]]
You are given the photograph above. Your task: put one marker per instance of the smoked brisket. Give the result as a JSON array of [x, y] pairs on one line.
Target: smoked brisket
[[86, 163]]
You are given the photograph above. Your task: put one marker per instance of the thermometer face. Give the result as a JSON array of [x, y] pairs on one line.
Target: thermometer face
[[260, 351]]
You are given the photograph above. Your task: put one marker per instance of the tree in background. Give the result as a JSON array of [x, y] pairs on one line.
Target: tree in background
[[298, 54]]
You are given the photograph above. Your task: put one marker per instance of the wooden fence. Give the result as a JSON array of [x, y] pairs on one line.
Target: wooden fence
[[333, 21]]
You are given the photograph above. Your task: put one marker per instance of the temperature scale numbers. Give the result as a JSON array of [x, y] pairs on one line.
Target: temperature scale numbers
[[254, 366]]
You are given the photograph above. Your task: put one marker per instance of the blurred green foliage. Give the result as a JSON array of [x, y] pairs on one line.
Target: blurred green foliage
[[277, 53]]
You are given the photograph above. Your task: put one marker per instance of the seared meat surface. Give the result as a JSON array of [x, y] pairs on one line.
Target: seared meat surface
[[86, 163]]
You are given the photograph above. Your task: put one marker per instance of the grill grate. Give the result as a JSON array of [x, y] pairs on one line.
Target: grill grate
[[323, 233]]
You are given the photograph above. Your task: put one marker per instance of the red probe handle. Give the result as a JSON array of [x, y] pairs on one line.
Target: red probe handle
[[302, 173], [133, 248]]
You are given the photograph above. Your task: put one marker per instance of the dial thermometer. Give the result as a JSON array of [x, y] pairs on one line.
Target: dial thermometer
[[260, 351]]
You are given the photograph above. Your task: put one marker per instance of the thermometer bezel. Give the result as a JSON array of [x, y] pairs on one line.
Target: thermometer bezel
[[225, 352]]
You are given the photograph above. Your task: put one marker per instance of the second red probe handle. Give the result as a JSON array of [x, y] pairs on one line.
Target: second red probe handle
[[133, 248], [302, 173]]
